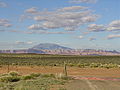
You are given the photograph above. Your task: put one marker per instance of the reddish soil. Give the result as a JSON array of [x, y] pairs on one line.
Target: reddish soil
[[74, 71]]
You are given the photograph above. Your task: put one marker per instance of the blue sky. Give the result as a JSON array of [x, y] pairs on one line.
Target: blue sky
[[82, 24]]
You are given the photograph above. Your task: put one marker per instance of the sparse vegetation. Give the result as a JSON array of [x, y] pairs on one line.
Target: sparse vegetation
[[32, 60], [39, 81], [29, 82]]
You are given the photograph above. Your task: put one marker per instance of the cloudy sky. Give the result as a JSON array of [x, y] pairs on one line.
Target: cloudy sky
[[82, 24]]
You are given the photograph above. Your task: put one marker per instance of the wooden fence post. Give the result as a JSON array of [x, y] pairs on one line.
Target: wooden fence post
[[65, 68]]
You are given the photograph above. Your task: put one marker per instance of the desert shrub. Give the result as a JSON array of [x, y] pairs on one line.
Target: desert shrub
[[94, 65], [48, 75], [27, 77], [5, 74], [81, 65], [35, 74], [113, 65], [9, 79], [71, 64], [110, 65], [13, 73], [106, 66]]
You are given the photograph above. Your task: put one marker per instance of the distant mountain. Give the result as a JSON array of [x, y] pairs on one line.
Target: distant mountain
[[50, 46]]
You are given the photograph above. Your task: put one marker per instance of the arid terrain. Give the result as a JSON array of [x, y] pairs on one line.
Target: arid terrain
[[59, 45], [47, 72], [74, 71], [84, 78]]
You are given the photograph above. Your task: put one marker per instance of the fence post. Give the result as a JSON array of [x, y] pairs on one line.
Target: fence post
[[65, 69], [8, 67]]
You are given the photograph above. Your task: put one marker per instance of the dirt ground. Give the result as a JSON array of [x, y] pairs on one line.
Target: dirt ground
[[85, 78], [93, 85], [74, 71]]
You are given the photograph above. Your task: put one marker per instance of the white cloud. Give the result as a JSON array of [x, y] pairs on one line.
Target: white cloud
[[72, 28], [40, 18], [32, 10], [47, 32], [5, 23], [2, 4], [114, 25], [72, 8], [19, 42], [83, 1], [65, 18], [61, 15], [113, 36], [39, 32], [96, 28], [91, 18], [23, 43], [36, 27], [29, 42]]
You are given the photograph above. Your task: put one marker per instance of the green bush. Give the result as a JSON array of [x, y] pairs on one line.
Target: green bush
[[13, 73], [35, 74], [9, 79], [94, 65], [5, 74], [48, 75], [81, 65], [27, 77], [71, 64]]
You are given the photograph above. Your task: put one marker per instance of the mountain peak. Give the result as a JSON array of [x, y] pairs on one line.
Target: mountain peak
[[50, 46]]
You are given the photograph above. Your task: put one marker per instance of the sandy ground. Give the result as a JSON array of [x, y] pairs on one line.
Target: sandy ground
[[75, 71]]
